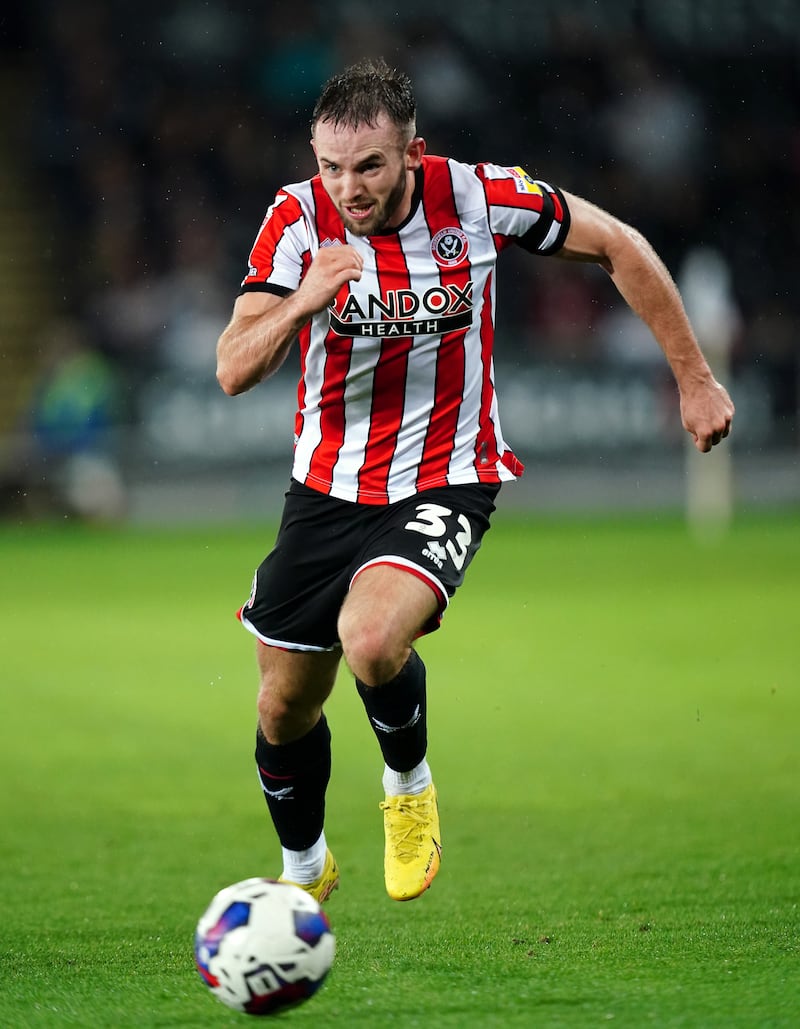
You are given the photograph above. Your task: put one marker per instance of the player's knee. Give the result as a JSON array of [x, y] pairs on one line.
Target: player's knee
[[281, 717], [273, 711], [372, 650]]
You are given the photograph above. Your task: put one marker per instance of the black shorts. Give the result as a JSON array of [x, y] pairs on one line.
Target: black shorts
[[324, 543]]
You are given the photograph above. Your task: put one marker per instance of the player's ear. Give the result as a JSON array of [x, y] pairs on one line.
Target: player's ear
[[414, 152]]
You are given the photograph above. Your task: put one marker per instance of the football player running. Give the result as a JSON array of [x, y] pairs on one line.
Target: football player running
[[382, 268]]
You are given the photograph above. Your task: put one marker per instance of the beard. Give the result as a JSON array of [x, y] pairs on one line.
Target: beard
[[382, 212]]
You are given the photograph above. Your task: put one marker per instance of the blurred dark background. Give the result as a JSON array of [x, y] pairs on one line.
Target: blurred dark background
[[143, 143]]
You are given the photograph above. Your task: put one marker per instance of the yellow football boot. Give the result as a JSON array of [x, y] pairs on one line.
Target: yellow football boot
[[413, 843], [324, 886]]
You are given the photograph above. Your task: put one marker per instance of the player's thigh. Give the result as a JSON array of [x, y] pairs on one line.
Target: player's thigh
[[385, 610]]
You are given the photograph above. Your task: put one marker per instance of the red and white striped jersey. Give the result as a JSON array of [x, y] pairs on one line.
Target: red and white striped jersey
[[396, 393]]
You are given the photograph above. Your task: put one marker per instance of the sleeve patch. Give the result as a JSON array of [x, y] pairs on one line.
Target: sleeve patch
[[523, 182]]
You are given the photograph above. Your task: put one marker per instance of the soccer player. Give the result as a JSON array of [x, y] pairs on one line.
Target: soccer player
[[382, 266]]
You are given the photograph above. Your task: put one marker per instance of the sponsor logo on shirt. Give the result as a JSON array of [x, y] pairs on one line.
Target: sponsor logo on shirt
[[402, 312]]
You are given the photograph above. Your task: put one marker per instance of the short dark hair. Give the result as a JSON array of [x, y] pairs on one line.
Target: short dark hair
[[359, 94]]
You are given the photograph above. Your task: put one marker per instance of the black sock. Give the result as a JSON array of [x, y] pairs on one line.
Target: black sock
[[397, 713], [294, 777]]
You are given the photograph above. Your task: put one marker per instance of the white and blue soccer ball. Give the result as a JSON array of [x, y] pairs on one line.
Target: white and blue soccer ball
[[262, 946]]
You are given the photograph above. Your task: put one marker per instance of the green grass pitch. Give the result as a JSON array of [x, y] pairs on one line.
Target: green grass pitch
[[615, 734]]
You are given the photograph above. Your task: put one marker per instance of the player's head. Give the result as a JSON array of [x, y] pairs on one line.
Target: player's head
[[363, 134], [361, 93]]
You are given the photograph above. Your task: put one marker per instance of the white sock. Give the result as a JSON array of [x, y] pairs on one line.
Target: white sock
[[304, 866], [396, 784]]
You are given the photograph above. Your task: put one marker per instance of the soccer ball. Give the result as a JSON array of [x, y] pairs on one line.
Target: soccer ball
[[262, 946]]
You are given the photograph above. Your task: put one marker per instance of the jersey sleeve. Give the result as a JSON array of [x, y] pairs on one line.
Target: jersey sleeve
[[524, 210], [276, 260]]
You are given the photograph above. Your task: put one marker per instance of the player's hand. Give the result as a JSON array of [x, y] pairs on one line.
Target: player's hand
[[706, 412], [327, 273]]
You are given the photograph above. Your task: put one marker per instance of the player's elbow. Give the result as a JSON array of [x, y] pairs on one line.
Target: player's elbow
[[231, 380]]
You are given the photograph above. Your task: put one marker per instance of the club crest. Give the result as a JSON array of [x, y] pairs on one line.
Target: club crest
[[449, 247]]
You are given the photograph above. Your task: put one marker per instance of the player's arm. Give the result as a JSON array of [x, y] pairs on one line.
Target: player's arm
[[646, 285], [263, 326]]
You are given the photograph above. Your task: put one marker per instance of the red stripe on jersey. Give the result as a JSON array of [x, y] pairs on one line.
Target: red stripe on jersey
[[330, 227], [303, 339], [441, 213], [559, 210], [504, 192], [285, 211], [338, 350], [389, 378], [513, 463], [486, 454]]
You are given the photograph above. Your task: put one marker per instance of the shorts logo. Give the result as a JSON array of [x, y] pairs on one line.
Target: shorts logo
[[435, 552], [449, 247]]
